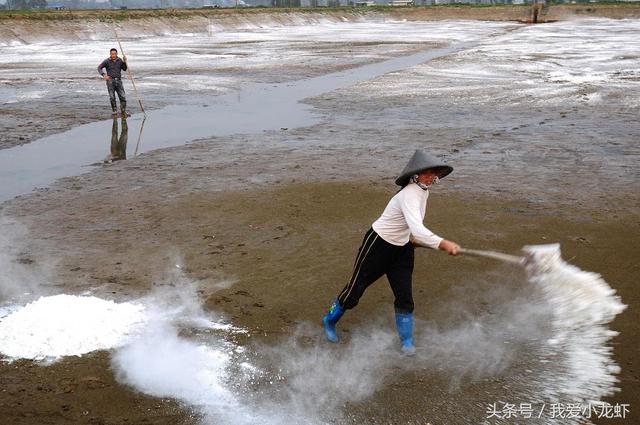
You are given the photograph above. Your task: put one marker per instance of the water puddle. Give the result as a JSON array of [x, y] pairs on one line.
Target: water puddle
[[253, 109]]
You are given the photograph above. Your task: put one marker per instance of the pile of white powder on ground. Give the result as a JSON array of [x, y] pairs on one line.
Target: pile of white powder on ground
[[68, 325]]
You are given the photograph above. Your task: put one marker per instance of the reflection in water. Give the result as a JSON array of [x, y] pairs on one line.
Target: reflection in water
[[258, 108], [140, 135], [118, 144]]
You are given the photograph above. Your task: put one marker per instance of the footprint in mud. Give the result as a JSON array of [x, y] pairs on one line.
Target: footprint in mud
[[219, 299], [92, 383], [284, 316]]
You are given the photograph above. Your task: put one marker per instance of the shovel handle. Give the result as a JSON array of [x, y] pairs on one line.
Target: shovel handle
[[513, 259]]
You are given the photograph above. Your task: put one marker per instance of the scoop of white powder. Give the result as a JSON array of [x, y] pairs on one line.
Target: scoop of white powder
[[68, 325]]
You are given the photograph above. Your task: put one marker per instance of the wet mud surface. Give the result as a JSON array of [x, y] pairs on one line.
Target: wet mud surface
[[288, 249], [268, 226], [179, 69]]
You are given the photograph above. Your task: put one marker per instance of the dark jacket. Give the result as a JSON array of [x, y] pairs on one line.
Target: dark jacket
[[113, 67]]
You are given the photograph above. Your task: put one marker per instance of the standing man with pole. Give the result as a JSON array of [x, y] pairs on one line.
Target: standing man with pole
[[113, 76], [388, 247], [133, 81]]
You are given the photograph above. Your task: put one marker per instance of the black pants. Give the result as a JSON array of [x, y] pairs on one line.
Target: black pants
[[114, 85], [376, 257]]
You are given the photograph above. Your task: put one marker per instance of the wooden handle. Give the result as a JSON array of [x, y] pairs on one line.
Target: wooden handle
[[513, 259]]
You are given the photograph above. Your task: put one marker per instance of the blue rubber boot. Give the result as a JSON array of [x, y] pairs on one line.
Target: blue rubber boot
[[404, 323], [329, 321]]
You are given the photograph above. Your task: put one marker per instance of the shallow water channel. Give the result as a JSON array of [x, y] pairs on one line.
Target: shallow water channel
[[253, 109]]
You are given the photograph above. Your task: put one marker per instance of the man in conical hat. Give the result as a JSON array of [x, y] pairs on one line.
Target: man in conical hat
[[387, 248]]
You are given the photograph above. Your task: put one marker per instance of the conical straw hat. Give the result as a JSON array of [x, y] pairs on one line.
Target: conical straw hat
[[422, 161]]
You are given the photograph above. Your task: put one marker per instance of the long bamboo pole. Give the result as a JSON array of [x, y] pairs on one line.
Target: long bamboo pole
[[135, 89]]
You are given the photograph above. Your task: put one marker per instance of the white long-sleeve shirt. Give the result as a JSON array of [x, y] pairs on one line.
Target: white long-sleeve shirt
[[403, 217]]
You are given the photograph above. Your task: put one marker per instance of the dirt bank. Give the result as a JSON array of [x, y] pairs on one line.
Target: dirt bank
[[30, 27]]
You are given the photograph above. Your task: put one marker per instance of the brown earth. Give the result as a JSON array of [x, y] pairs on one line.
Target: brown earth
[[287, 240]]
